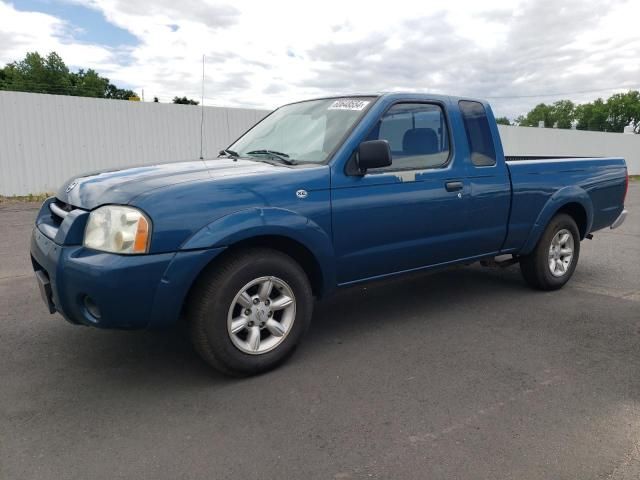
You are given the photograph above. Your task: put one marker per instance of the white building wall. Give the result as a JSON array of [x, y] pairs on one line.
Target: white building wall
[[46, 139], [555, 141]]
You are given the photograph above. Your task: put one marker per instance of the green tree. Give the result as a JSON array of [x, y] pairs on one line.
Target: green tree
[[563, 113], [503, 121], [592, 116], [185, 101], [89, 84], [560, 114], [56, 75], [37, 74], [612, 115], [623, 109], [541, 112], [118, 93], [49, 74]]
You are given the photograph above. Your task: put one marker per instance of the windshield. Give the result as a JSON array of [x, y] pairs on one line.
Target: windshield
[[302, 132]]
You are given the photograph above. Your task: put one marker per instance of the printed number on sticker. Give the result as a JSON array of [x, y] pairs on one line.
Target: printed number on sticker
[[349, 104]]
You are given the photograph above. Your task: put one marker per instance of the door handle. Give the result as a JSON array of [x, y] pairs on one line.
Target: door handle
[[453, 186]]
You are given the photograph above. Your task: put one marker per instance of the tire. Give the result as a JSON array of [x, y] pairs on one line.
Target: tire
[[537, 267], [216, 309]]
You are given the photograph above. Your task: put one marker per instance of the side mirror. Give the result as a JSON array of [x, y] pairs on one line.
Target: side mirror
[[373, 154]]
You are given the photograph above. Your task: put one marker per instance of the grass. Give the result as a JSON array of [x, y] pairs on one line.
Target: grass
[[40, 197], [634, 178]]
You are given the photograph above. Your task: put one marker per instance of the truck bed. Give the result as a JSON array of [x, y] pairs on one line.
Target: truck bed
[[515, 158], [596, 187]]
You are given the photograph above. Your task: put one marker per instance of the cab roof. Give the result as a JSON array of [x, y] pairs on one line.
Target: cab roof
[[400, 95]]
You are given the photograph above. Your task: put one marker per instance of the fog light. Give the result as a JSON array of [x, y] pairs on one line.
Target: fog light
[[91, 307]]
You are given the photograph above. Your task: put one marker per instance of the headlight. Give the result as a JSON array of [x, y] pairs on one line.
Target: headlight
[[118, 229]]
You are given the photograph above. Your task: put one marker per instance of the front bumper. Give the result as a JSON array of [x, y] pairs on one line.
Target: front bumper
[[122, 288], [128, 291]]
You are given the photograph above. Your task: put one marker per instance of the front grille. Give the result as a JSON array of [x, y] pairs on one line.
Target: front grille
[[59, 210]]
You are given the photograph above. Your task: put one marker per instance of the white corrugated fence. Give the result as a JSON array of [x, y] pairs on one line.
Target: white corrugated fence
[[555, 141], [46, 139]]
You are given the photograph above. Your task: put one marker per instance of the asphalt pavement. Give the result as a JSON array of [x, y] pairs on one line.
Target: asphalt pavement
[[460, 374]]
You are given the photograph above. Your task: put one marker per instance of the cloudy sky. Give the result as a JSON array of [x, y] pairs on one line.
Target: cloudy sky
[[265, 53]]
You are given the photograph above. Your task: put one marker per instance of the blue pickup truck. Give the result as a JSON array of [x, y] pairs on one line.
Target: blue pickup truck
[[318, 195]]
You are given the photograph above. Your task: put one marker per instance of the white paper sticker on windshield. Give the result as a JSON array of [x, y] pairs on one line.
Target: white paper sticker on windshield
[[349, 104]]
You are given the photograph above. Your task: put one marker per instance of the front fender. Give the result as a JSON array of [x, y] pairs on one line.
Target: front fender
[[564, 196], [255, 222]]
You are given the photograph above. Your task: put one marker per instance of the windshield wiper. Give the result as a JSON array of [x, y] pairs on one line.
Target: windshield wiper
[[228, 153], [283, 157]]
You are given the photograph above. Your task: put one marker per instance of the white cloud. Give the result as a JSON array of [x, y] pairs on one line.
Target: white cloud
[[22, 32], [267, 53]]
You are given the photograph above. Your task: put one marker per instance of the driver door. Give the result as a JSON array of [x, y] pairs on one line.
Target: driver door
[[408, 215]]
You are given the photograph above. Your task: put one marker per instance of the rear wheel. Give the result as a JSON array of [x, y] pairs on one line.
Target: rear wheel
[[554, 259], [248, 313]]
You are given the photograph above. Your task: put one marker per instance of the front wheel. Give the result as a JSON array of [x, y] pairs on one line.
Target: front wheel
[[554, 259], [248, 313]]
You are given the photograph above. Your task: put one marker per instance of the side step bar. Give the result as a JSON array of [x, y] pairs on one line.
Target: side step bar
[[492, 262]]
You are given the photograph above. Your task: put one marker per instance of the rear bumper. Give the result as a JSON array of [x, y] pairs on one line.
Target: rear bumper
[[620, 220], [129, 291]]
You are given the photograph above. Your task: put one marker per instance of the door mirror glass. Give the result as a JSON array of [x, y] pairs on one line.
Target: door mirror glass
[[374, 154]]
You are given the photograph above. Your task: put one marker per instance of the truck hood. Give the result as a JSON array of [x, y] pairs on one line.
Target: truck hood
[[122, 186]]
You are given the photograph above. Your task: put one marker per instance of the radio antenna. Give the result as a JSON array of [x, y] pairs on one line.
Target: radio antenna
[[202, 114]]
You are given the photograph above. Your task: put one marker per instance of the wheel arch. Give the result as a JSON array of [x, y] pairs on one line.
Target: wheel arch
[[572, 200], [579, 214], [293, 248], [279, 229]]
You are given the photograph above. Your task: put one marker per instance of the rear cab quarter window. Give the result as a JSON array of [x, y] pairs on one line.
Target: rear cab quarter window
[[478, 131]]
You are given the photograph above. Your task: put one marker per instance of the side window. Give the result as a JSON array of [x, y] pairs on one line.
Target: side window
[[476, 124], [417, 134]]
